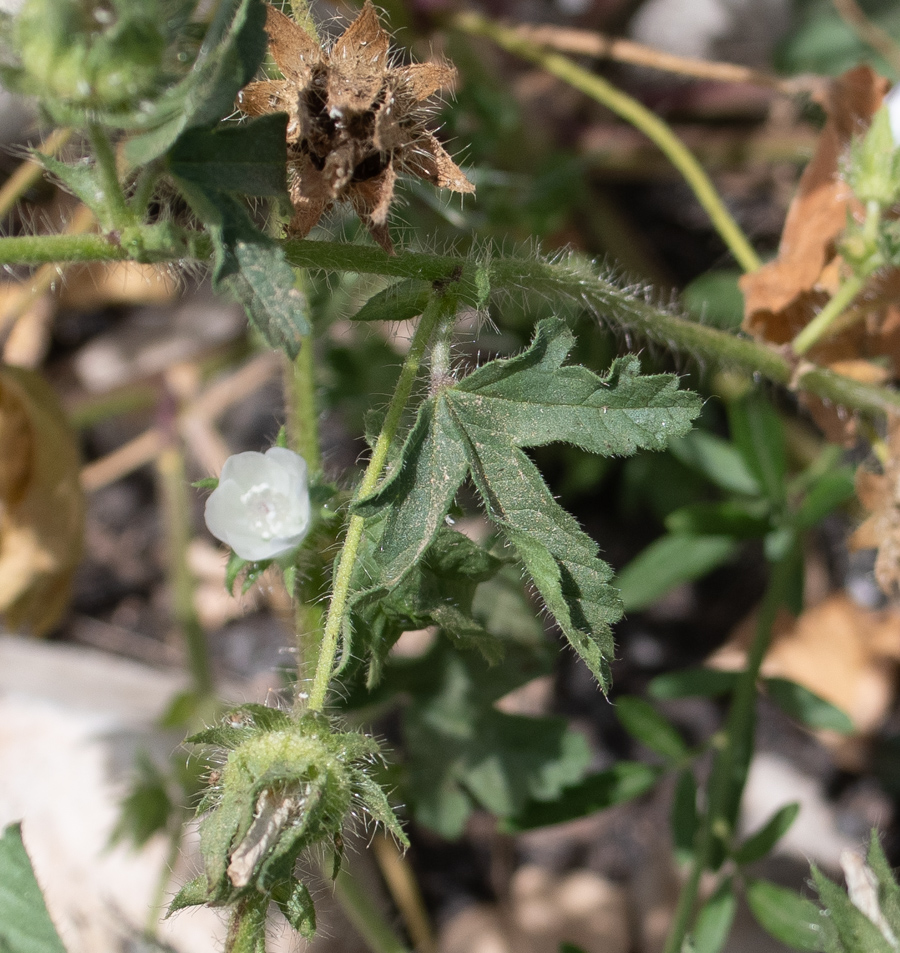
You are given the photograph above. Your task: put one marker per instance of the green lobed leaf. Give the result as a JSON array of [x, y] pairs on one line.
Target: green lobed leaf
[[252, 267], [439, 590], [668, 562], [479, 425], [645, 724], [684, 819], [785, 914], [625, 781], [693, 682], [807, 707], [249, 158], [233, 49], [714, 920], [757, 845], [25, 924], [855, 932]]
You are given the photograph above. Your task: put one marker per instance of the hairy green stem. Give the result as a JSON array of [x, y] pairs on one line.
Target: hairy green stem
[[302, 414], [574, 280], [441, 304], [633, 112], [120, 214], [733, 746]]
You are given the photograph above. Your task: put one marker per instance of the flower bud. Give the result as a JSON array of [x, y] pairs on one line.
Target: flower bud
[[101, 55], [261, 506]]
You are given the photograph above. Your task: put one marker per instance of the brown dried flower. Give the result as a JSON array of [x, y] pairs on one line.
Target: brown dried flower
[[355, 121]]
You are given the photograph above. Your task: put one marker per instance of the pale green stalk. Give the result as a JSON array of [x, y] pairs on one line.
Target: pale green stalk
[[119, 212], [442, 303], [633, 112]]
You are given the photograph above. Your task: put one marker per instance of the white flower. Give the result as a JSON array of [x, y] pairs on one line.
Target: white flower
[[261, 506], [892, 101]]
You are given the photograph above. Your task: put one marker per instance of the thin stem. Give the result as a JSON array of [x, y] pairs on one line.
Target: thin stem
[[120, 214], [302, 414], [176, 523], [591, 43], [366, 917], [439, 306], [573, 280], [404, 889], [633, 112], [734, 746], [825, 319], [143, 190], [30, 171]]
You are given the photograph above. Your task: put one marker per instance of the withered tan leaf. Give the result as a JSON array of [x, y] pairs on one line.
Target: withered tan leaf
[[41, 503]]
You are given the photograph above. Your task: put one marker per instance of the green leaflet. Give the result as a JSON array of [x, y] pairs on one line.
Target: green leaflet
[[251, 266], [25, 925], [479, 426], [249, 158]]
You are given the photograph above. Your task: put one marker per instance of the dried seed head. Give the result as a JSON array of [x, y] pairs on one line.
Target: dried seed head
[[354, 121]]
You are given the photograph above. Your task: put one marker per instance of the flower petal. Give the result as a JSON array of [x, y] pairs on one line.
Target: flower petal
[[245, 469]]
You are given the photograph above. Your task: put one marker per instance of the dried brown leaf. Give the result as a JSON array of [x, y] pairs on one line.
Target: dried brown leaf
[[41, 503]]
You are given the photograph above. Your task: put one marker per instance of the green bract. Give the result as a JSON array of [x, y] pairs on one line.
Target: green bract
[[288, 784]]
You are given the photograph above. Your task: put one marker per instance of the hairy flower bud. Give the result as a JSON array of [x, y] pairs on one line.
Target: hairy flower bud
[[91, 54], [261, 506]]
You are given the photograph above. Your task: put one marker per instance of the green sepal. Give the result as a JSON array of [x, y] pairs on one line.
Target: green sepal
[[194, 893], [296, 905], [853, 930], [207, 483], [247, 927]]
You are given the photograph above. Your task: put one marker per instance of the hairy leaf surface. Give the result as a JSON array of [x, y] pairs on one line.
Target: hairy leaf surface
[[480, 426]]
